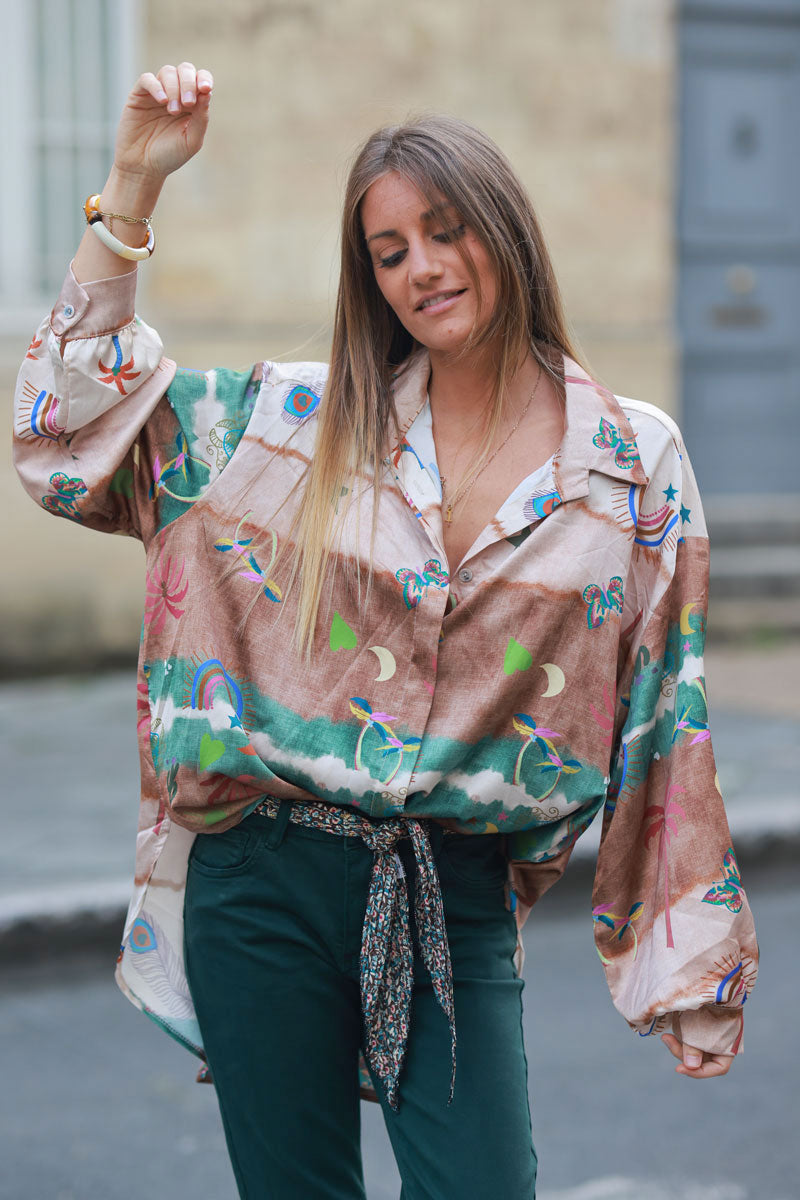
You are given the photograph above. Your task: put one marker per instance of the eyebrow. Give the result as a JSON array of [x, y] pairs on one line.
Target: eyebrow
[[426, 216]]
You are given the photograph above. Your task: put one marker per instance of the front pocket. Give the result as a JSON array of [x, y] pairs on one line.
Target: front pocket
[[477, 860], [226, 853]]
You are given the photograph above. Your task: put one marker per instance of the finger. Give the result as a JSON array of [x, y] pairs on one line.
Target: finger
[[205, 80], [673, 1045], [152, 86], [709, 1070], [171, 84], [187, 80], [692, 1057]]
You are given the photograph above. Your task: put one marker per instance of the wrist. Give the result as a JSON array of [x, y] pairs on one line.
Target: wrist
[[133, 193]]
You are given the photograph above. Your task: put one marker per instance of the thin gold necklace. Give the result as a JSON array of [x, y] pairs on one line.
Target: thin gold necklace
[[461, 491]]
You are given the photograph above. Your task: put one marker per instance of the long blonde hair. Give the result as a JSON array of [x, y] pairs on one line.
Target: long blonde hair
[[443, 157]]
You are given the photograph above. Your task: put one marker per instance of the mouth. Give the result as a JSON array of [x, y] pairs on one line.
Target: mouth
[[440, 301]]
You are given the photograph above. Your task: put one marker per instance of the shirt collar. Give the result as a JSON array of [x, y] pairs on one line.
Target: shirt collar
[[597, 436]]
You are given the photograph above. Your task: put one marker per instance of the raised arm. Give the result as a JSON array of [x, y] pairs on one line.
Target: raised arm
[[162, 126], [106, 432]]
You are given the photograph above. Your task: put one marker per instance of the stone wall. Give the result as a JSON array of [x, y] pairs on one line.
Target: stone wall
[[579, 93]]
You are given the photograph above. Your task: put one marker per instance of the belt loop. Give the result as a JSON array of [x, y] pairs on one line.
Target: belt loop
[[279, 829], [436, 837]]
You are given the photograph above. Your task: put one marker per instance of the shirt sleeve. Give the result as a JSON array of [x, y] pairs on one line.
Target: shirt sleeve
[[672, 924], [107, 431]]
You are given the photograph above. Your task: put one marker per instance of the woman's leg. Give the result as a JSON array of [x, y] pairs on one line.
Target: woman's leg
[[280, 1019], [481, 1145]]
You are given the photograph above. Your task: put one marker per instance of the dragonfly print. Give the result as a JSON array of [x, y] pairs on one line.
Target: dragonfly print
[[551, 765], [619, 926], [691, 724], [251, 568], [175, 468], [664, 820], [391, 744]]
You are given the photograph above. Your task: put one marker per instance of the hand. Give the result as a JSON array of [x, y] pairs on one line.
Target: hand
[[697, 1064], [164, 121]]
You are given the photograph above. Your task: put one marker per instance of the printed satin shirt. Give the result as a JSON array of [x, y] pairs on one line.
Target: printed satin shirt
[[554, 674]]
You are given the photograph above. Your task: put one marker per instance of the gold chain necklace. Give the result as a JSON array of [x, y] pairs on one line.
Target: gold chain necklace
[[461, 491]]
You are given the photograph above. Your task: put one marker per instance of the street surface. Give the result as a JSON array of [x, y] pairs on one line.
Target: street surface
[[98, 1104]]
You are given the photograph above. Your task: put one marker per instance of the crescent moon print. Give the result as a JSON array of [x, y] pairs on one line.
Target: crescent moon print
[[685, 611], [387, 663], [555, 679]]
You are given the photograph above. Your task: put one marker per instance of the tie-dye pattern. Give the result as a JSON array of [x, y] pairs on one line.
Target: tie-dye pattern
[[561, 676]]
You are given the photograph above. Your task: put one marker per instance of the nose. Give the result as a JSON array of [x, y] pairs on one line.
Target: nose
[[423, 261]]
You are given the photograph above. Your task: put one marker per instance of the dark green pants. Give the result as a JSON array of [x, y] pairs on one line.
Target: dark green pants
[[273, 916]]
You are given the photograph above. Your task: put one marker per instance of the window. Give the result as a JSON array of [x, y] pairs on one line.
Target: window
[[67, 67]]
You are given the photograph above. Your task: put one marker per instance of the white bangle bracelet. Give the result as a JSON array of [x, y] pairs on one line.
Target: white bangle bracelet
[[134, 253]]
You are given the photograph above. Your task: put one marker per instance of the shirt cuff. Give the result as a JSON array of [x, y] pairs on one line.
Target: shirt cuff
[[715, 1030], [85, 310]]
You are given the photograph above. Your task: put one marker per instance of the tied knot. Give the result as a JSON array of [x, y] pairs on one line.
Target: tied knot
[[387, 956]]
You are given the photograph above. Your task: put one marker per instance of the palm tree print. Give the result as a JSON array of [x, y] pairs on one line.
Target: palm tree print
[[380, 722], [540, 736], [664, 825], [118, 371]]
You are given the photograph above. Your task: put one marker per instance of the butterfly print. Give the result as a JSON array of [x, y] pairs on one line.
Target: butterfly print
[[625, 452], [601, 603], [728, 892], [64, 498], [415, 586]]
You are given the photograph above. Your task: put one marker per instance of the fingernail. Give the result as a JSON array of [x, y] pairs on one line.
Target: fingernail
[[693, 1060], [173, 106], [161, 94], [187, 98]]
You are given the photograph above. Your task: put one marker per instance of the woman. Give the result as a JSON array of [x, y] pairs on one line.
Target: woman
[[410, 623]]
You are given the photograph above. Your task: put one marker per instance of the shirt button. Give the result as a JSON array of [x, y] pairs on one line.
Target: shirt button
[[69, 311], [465, 575]]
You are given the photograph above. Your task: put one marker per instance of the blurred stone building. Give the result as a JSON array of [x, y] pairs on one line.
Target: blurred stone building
[[665, 233]]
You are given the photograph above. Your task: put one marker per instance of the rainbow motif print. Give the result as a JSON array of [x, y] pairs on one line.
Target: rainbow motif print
[[37, 414], [205, 679]]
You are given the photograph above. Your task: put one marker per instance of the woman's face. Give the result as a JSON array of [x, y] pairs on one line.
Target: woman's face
[[418, 267]]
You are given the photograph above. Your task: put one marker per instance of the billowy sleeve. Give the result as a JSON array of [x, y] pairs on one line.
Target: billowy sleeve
[[107, 431], [672, 924]]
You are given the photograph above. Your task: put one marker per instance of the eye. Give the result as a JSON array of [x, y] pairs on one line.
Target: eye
[[392, 260], [451, 235]]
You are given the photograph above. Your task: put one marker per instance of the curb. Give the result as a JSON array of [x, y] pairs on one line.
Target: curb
[[60, 922]]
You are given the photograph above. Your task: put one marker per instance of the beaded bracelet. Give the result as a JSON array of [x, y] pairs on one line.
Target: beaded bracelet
[[94, 218]]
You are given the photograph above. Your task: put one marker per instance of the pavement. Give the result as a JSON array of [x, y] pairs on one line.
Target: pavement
[[69, 756]]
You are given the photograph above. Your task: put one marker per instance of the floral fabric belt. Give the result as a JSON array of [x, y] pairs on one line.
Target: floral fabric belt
[[387, 956]]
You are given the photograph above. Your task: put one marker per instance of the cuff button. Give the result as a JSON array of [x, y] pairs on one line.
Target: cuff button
[[69, 311]]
